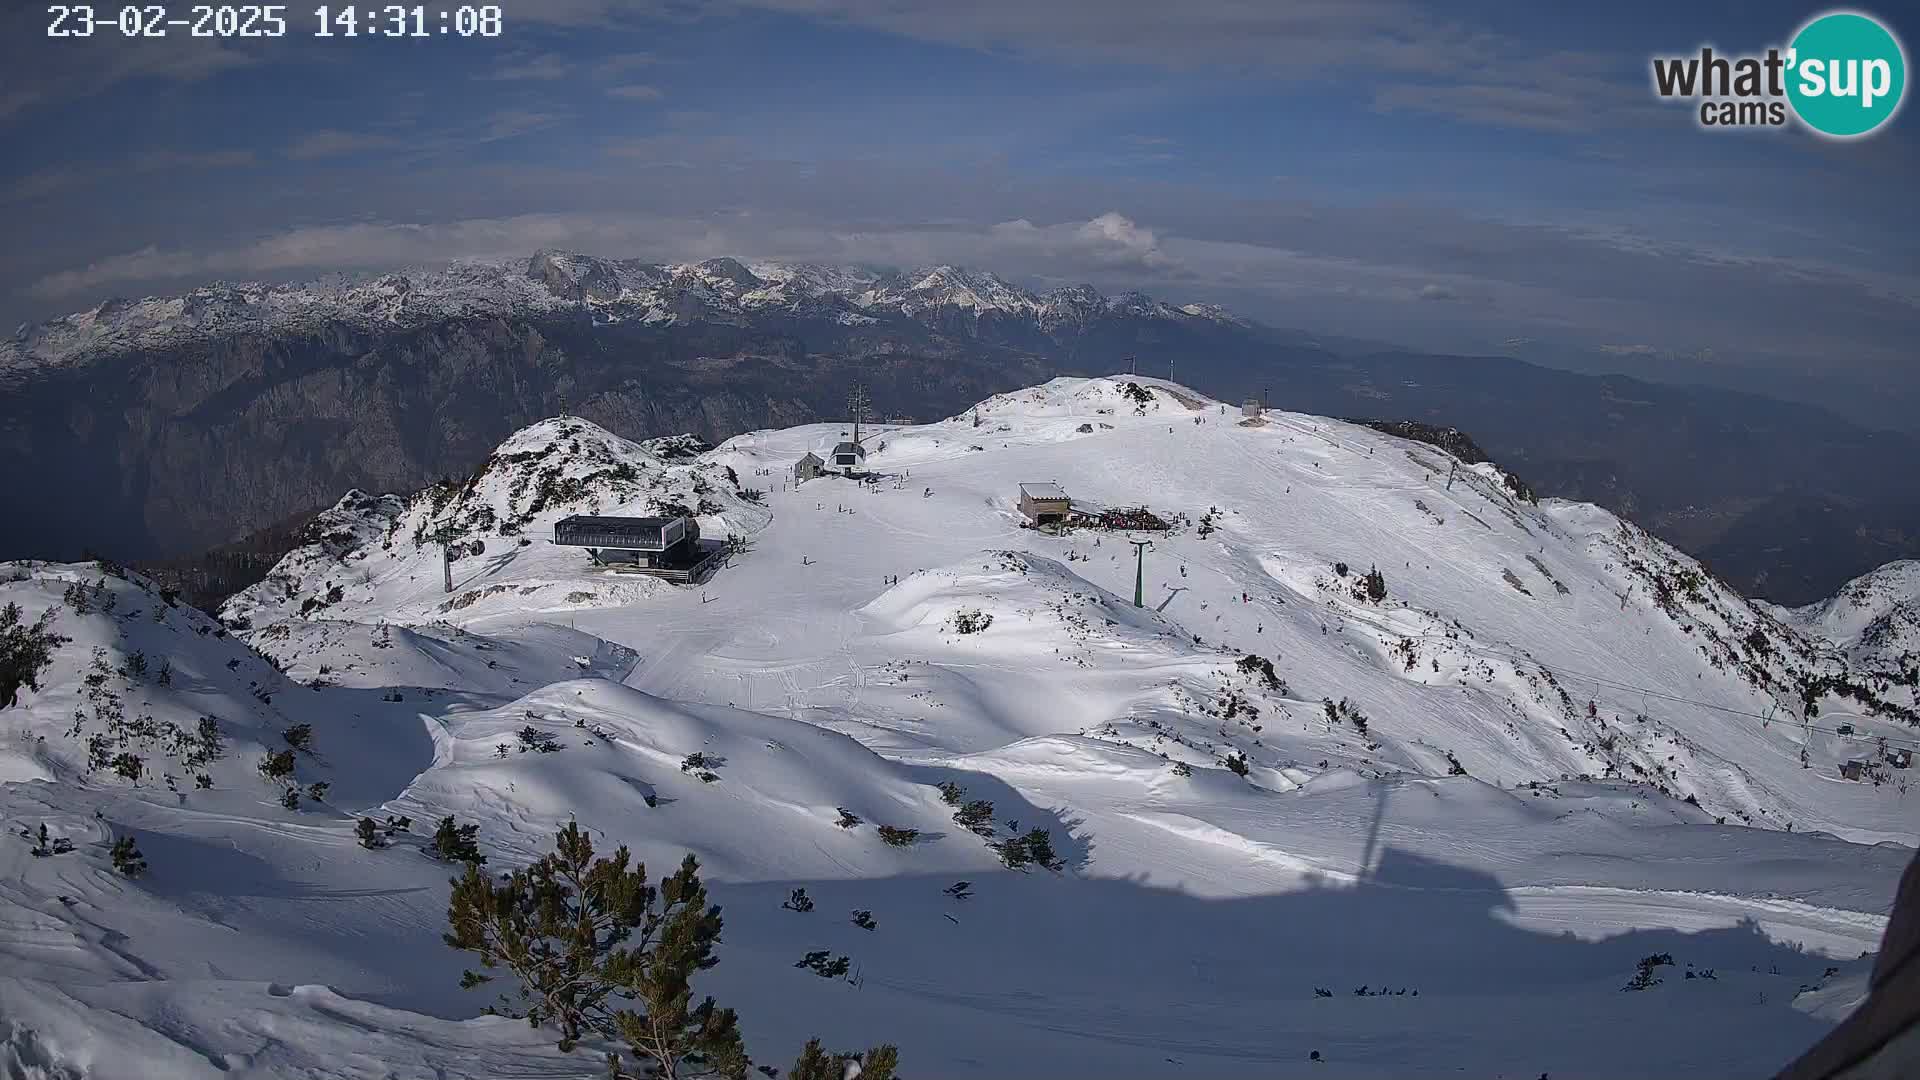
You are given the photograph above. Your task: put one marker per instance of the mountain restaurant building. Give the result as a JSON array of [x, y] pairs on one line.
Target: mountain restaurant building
[[1045, 504]]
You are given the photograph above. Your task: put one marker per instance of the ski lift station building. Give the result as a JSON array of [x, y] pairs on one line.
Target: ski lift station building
[[850, 456], [663, 547], [1045, 504]]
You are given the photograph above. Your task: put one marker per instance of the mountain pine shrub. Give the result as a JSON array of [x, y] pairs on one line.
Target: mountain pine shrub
[[453, 842], [127, 858], [25, 651], [600, 952]]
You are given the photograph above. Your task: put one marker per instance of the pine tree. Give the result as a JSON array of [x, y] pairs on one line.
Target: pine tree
[[587, 937], [1376, 585]]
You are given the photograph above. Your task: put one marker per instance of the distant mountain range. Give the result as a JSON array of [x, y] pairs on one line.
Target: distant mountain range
[[164, 426]]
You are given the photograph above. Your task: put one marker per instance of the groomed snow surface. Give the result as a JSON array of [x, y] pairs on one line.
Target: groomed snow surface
[[1563, 749]]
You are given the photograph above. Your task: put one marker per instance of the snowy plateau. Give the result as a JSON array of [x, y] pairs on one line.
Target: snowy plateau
[[1396, 773]]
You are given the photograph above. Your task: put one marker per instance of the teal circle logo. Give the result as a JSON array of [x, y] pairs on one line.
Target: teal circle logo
[[1847, 74]]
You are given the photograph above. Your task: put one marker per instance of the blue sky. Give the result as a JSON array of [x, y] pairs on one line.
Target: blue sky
[[1454, 176]]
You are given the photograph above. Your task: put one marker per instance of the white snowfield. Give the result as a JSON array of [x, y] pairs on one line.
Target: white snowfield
[[1563, 749]]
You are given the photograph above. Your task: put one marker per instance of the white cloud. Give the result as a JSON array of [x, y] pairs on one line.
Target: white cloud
[[1115, 238], [635, 92], [1111, 240]]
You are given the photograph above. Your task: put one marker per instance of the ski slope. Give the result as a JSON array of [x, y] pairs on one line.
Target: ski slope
[[1563, 749]]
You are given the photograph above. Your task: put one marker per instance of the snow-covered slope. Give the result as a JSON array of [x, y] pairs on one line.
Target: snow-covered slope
[[1541, 748]]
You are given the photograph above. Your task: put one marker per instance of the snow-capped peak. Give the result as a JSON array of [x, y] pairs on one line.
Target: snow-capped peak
[[612, 290]]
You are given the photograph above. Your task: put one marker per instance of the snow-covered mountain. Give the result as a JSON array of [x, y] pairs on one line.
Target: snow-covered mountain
[[161, 428], [1538, 752], [1875, 618], [610, 290]]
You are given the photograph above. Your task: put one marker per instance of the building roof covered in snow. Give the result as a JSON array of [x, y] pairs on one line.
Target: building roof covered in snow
[[1043, 491]]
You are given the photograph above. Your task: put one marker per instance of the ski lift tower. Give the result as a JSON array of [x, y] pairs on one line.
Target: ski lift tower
[[857, 407], [1140, 549], [443, 537]]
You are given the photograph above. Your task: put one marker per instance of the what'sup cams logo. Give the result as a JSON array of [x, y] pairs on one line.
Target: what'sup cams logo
[[1843, 76]]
